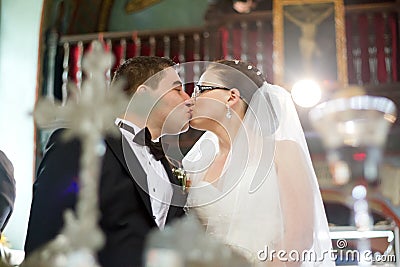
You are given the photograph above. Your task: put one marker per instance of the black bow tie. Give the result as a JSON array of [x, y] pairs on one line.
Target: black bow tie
[[143, 137]]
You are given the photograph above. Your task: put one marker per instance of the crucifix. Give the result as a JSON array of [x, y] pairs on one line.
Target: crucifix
[[90, 118], [308, 26]]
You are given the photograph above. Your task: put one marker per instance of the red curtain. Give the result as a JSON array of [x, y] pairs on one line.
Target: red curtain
[[252, 49], [362, 28], [74, 63], [118, 51], [363, 32]]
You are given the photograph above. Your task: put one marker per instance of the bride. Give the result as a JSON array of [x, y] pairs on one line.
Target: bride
[[253, 184]]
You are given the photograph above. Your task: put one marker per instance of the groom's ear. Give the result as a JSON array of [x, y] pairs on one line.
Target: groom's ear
[[234, 96], [142, 89]]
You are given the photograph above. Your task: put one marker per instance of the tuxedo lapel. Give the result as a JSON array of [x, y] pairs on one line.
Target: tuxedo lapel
[[121, 149], [178, 197]]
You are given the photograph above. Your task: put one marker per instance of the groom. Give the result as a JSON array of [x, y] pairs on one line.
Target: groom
[[136, 184]]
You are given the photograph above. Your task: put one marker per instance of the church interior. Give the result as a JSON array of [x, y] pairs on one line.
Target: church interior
[[348, 47]]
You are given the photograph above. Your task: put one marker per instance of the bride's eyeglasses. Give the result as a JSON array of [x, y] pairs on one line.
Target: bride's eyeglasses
[[198, 89]]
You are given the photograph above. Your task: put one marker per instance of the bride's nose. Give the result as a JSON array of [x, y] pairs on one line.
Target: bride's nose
[[189, 102]]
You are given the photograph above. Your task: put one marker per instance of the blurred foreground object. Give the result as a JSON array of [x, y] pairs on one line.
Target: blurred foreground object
[[354, 131], [185, 244], [7, 190]]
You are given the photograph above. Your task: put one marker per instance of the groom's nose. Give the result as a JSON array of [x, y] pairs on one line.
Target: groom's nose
[[185, 95]]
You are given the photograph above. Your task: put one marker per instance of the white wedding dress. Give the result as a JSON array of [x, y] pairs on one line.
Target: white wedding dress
[[243, 209]]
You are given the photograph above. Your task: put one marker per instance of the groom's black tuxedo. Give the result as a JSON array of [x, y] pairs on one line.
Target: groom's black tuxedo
[[126, 213]]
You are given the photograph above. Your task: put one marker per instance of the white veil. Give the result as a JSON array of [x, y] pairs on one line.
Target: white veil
[[256, 203]]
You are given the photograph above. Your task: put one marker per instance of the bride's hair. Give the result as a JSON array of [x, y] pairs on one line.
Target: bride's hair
[[247, 79], [236, 79]]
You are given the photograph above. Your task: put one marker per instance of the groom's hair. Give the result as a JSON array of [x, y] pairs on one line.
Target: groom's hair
[[137, 71]]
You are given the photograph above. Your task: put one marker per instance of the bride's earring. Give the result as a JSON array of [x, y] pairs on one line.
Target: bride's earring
[[228, 111]]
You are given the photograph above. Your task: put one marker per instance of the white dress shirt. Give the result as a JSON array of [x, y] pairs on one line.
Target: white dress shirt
[[160, 188]]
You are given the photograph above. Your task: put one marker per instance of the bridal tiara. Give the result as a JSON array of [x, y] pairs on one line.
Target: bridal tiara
[[250, 67]]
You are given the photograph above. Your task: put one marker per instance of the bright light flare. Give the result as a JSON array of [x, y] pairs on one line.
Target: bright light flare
[[306, 93]]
